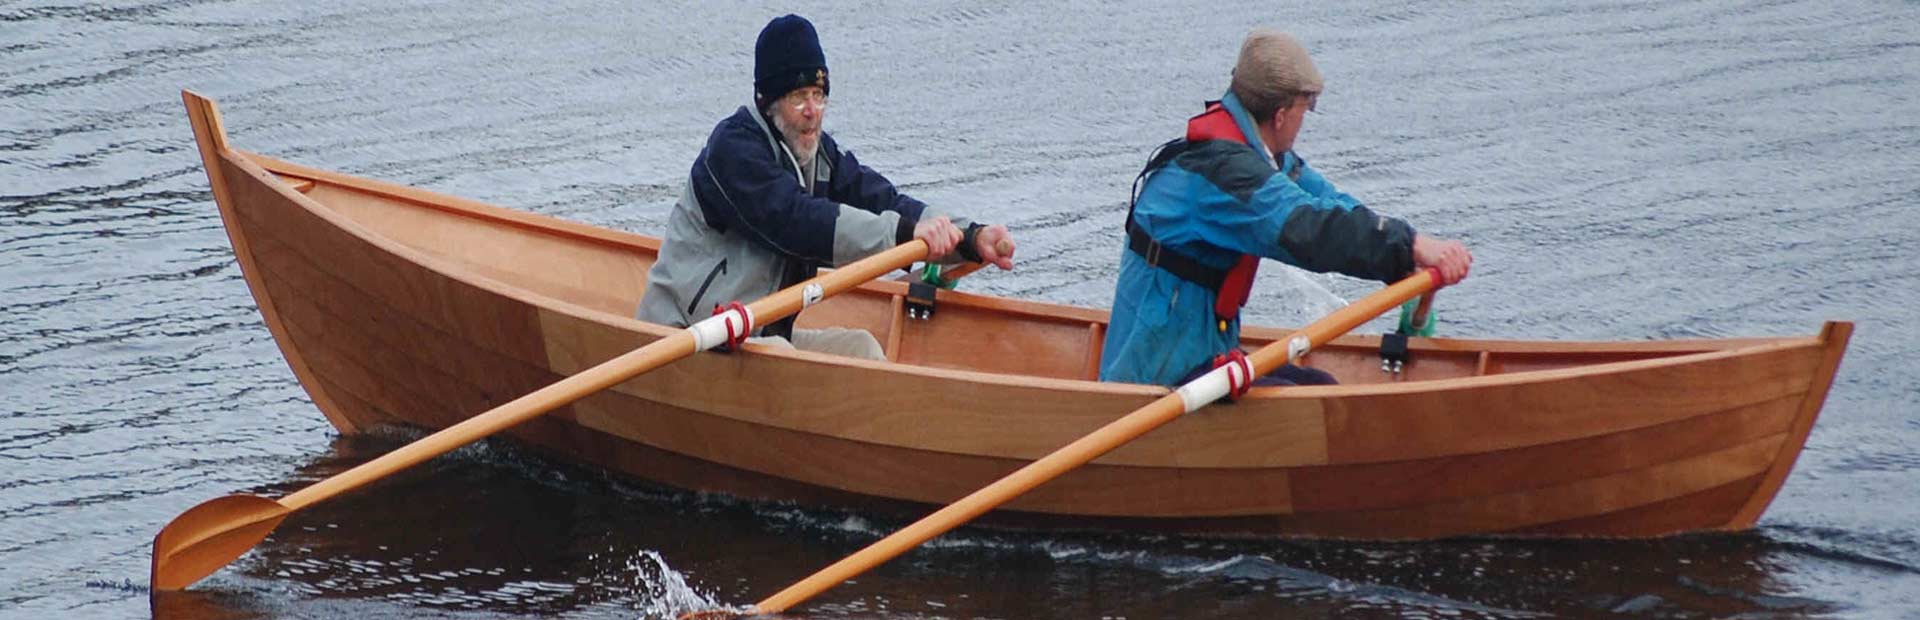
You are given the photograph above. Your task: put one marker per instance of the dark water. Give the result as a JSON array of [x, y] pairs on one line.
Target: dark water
[[1632, 170]]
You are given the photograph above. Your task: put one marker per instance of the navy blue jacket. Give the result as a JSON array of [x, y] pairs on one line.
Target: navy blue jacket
[[741, 181], [748, 222]]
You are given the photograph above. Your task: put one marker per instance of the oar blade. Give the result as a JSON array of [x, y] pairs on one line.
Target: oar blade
[[210, 536]]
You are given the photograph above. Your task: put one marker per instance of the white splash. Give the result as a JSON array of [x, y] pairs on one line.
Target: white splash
[[665, 592]]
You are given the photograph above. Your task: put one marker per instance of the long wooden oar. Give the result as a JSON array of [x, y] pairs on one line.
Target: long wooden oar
[[212, 534], [953, 273], [1195, 394], [946, 274]]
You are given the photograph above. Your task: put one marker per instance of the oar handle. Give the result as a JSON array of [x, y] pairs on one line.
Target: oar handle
[[1303, 341], [1423, 313], [700, 336], [960, 271], [965, 268], [1194, 395], [1003, 247]]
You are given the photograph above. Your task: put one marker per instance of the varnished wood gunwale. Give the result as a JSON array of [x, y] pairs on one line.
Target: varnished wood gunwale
[[210, 135], [1479, 436]]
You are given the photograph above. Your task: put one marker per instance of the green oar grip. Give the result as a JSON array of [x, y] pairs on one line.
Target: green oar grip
[[931, 275], [1407, 312]]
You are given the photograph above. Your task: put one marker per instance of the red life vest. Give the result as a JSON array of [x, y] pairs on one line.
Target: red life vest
[[1217, 124], [1232, 287]]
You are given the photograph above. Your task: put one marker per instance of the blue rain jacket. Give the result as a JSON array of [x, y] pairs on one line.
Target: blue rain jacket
[[1214, 202]]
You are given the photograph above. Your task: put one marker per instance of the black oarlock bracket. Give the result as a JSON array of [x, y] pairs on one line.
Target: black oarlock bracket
[[1394, 355], [920, 300]]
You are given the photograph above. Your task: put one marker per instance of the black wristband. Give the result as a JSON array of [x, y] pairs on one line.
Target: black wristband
[[904, 231], [968, 249]]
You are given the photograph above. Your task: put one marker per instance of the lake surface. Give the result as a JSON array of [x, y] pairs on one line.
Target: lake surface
[[1622, 171]]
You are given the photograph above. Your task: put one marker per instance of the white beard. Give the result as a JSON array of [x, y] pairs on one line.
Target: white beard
[[802, 153]]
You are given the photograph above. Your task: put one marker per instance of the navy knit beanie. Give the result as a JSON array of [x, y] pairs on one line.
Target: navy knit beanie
[[787, 56]]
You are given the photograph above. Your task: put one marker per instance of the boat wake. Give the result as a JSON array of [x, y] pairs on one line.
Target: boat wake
[[1283, 580], [123, 585], [1886, 552], [1298, 583], [1208, 565]]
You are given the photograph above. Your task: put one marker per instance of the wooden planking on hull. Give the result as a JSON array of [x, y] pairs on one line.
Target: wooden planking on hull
[[1711, 509], [929, 477], [1500, 412], [1399, 484]]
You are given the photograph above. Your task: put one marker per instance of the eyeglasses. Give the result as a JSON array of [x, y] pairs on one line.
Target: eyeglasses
[[800, 99]]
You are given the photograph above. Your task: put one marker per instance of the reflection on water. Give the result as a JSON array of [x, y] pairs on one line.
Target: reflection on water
[[1623, 170], [495, 530]]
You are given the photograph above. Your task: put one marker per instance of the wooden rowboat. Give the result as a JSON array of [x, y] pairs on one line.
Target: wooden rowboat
[[395, 305]]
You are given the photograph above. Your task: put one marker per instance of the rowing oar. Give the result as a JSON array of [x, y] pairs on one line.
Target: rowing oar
[[214, 533], [1193, 395], [952, 274], [947, 275]]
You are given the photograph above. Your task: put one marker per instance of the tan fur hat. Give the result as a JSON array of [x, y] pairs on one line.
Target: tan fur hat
[[1274, 64]]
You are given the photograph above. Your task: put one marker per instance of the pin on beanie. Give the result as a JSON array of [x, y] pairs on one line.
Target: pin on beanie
[[786, 57]]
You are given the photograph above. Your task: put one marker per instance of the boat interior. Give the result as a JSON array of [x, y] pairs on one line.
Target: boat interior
[[582, 268]]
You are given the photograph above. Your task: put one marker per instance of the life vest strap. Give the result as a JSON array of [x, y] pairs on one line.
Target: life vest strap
[[1231, 287], [1173, 261]]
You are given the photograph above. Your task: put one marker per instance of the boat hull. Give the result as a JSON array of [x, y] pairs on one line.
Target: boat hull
[[398, 306]]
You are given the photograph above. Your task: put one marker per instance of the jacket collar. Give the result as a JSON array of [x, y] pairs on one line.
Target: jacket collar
[[1244, 120], [822, 169]]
